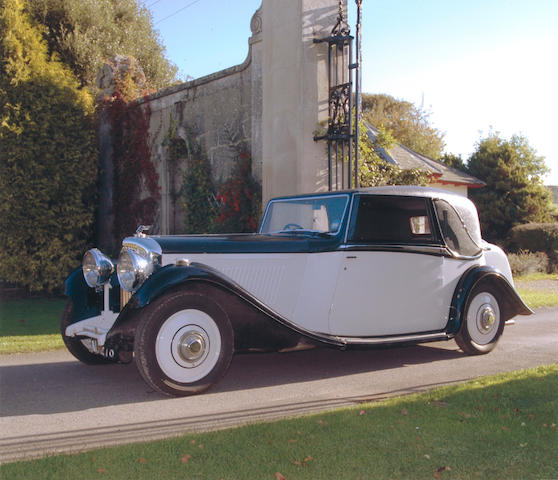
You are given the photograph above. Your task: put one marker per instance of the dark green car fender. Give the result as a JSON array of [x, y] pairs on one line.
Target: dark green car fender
[[511, 301], [87, 301], [169, 277]]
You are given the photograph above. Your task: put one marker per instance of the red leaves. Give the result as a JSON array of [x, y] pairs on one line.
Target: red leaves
[[185, 458], [440, 470], [239, 199], [136, 183]]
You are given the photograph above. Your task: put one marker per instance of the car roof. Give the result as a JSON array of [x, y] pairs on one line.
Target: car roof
[[401, 190], [465, 207]]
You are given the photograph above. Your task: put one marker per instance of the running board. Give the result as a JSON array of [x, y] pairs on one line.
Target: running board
[[418, 338]]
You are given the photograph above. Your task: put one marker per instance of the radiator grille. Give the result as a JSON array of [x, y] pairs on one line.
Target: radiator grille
[[124, 298]]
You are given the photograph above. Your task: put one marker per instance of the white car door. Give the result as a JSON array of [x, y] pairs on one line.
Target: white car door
[[393, 279]]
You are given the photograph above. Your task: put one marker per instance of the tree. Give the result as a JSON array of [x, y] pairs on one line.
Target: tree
[[453, 161], [85, 33], [408, 124], [375, 171], [48, 167], [514, 192]]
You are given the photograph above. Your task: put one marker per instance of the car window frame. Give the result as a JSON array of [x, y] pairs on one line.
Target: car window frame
[[434, 244], [342, 224], [452, 252]]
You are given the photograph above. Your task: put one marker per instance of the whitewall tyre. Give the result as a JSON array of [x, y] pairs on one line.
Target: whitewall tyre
[[183, 344], [482, 323]]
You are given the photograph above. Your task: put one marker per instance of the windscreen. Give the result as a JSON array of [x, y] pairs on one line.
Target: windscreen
[[316, 214]]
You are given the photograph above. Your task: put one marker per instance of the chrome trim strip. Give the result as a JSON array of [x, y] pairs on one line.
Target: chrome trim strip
[[416, 338], [419, 249], [348, 225]]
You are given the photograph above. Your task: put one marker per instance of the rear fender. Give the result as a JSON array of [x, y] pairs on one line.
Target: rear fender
[[511, 302]]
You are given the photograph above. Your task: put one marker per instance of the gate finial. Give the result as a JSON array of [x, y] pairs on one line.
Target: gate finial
[[342, 26]]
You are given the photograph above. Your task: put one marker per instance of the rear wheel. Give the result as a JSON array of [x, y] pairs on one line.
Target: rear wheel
[[482, 323], [183, 343], [76, 345]]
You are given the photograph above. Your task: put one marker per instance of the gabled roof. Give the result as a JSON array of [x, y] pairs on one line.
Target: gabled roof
[[406, 159]]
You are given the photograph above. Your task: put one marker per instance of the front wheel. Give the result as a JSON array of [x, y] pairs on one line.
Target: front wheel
[[482, 322], [183, 343]]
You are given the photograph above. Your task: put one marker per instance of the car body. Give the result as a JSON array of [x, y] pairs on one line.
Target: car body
[[358, 268]]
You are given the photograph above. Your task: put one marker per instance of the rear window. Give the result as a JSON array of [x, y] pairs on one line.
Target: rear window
[[454, 231], [392, 220]]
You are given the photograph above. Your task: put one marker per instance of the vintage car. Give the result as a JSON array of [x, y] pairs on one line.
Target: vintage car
[[359, 268]]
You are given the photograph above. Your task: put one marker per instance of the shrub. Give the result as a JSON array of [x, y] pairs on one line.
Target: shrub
[[48, 159], [536, 237], [526, 263]]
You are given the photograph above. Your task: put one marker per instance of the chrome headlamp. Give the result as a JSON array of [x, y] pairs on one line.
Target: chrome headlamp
[[133, 269], [97, 268]]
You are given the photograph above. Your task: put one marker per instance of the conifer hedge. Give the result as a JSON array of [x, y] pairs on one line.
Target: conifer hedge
[[48, 158]]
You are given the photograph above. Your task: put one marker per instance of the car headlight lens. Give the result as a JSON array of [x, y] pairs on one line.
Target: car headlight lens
[[97, 268], [132, 269]]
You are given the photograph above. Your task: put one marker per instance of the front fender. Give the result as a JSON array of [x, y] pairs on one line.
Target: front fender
[[88, 302], [511, 300], [169, 277]]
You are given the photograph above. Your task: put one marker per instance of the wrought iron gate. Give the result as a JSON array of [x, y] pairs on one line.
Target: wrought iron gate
[[341, 137]]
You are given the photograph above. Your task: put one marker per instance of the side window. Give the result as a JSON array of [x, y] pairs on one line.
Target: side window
[[455, 233], [392, 220]]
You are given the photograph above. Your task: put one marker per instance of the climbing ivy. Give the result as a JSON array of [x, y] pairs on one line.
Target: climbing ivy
[[197, 194], [239, 198], [136, 182]]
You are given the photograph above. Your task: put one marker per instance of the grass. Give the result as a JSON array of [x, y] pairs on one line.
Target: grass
[[30, 325], [495, 427], [535, 292]]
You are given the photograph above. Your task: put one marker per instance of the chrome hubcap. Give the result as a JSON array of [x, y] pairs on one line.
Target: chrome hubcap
[[191, 346], [487, 318]]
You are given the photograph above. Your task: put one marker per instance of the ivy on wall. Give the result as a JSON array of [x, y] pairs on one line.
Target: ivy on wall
[[239, 199], [232, 206], [136, 182]]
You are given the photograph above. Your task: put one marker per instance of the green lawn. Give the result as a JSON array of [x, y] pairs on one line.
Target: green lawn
[[495, 427], [538, 290], [30, 325]]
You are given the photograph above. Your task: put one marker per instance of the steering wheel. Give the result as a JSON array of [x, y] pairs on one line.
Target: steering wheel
[[292, 226]]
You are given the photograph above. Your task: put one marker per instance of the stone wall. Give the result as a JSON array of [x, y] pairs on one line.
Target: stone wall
[[270, 105], [222, 112]]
